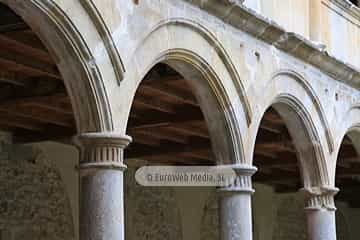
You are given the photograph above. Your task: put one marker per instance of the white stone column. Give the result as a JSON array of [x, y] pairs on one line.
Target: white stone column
[[101, 186], [320, 213], [235, 205]]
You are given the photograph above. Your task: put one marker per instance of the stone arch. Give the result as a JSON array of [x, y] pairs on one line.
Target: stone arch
[[350, 123], [82, 73], [350, 126], [299, 107], [224, 56], [197, 59]]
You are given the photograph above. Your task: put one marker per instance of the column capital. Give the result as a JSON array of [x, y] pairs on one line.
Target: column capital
[[242, 181], [320, 198], [102, 150]]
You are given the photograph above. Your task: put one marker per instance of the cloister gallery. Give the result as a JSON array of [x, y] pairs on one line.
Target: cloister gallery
[[92, 90]]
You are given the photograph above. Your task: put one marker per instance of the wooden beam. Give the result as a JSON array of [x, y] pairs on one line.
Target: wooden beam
[[189, 130], [272, 116], [27, 37], [163, 78], [161, 133], [53, 103], [342, 172], [169, 92], [11, 78], [18, 62], [173, 160], [19, 45], [18, 122], [17, 109], [183, 127], [204, 154], [143, 151], [153, 103], [145, 139], [269, 141], [347, 151], [183, 114], [272, 127]]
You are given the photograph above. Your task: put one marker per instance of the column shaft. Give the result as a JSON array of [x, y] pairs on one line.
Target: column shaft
[[321, 224], [101, 186], [235, 206], [236, 217], [320, 213]]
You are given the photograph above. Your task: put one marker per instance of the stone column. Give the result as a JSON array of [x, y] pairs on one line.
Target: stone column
[[235, 205], [320, 213], [101, 186]]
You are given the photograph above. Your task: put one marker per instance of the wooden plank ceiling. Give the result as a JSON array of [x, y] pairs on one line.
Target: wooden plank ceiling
[[166, 121]]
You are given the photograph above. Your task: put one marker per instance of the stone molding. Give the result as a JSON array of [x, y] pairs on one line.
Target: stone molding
[[242, 182], [222, 53], [315, 100], [320, 198], [105, 34], [102, 150], [247, 20]]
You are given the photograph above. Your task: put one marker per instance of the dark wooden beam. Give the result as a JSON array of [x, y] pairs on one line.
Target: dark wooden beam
[[19, 122], [347, 151], [20, 45], [21, 108], [152, 119], [272, 116], [153, 103], [19, 62], [170, 92], [9, 21], [166, 148], [161, 134], [11, 78]]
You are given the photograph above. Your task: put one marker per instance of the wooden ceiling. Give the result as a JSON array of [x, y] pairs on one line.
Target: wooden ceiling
[[33, 101], [166, 121]]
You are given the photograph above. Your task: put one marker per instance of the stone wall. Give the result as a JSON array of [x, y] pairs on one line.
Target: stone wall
[[151, 213], [210, 220], [290, 221], [33, 203], [160, 213], [39, 209]]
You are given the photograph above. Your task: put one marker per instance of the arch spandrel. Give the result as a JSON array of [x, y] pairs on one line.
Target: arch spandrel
[[195, 56], [306, 122]]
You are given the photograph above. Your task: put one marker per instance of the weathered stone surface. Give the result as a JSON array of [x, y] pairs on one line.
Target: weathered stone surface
[[210, 221], [33, 203], [151, 212], [248, 61], [290, 222]]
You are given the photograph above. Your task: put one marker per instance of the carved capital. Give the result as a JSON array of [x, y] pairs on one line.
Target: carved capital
[[102, 150], [320, 198], [242, 181]]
